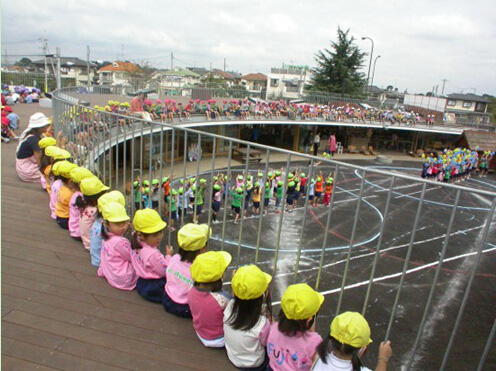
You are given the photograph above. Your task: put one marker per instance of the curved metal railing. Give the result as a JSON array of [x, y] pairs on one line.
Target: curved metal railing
[[402, 250]]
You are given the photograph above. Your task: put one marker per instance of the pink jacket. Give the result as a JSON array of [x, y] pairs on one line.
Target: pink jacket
[[74, 215], [86, 221], [53, 196], [149, 262], [179, 281], [115, 264]]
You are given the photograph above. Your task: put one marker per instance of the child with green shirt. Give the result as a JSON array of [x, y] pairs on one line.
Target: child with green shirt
[[236, 202]]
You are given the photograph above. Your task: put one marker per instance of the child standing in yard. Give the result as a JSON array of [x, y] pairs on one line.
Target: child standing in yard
[[236, 202], [206, 299], [192, 240], [172, 207], [319, 188], [279, 193], [148, 262], [328, 191], [216, 200], [292, 341], [115, 264]]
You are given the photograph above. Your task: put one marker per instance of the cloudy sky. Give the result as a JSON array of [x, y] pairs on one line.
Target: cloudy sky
[[420, 42]]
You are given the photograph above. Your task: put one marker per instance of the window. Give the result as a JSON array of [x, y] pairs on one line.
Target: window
[[480, 107], [467, 104], [274, 83], [451, 103], [292, 89]]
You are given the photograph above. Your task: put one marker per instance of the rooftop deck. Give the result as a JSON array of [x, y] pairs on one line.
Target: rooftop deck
[[57, 314]]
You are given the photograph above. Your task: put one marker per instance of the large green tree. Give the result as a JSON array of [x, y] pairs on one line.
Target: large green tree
[[337, 68]]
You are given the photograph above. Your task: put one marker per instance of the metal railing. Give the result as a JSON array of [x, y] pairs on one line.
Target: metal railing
[[412, 255]]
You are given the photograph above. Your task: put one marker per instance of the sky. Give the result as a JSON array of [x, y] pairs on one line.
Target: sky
[[420, 42]]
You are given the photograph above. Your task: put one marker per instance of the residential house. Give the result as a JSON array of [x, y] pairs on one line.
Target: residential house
[[217, 76], [173, 81], [120, 73], [255, 83], [199, 70], [376, 93], [288, 82], [70, 68], [459, 103]]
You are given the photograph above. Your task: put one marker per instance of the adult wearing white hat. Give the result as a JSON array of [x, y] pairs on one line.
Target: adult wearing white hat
[[28, 152]]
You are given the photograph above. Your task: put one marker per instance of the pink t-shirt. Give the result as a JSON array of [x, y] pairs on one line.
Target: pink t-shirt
[[149, 262], [86, 221], [115, 264], [74, 215], [136, 105], [291, 353], [207, 309], [53, 196], [179, 281]]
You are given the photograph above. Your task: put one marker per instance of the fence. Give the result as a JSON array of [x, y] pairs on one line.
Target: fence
[[34, 80], [409, 261]]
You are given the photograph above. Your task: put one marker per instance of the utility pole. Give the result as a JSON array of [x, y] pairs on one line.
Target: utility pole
[[88, 63], [45, 52], [172, 61], [444, 82], [59, 82]]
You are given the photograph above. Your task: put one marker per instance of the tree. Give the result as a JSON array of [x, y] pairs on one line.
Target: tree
[[491, 108], [337, 69], [24, 62]]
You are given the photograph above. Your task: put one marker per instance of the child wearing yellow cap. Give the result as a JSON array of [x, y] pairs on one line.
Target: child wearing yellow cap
[[96, 228], [77, 175], [192, 240], [246, 327], [92, 189], [148, 262], [206, 299], [348, 340], [292, 342], [64, 194], [115, 264], [44, 159], [54, 189]]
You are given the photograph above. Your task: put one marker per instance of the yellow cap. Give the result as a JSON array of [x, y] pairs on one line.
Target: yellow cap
[[52, 150], [249, 282], [193, 237], [113, 196], [46, 142], [115, 212], [63, 168], [352, 329], [80, 173], [210, 266], [92, 186], [61, 154], [148, 221], [300, 301]]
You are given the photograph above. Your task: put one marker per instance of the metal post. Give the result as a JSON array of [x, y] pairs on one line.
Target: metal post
[[170, 182], [469, 284], [184, 174], [133, 203], [352, 239], [209, 221], [378, 248], [407, 260], [434, 282], [160, 200], [243, 204], [487, 347], [326, 231], [262, 203], [303, 223], [197, 179], [228, 182]]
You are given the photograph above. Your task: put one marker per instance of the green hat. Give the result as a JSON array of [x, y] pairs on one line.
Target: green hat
[[302, 175], [174, 192], [181, 190], [260, 175], [257, 184], [217, 187], [312, 180], [267, 184], [165, 179], [215, 178], [248, 177], [270, 174], [319, 179], [278, 173], [155, 182], [239, 190], [290, 176], [291, 184], [135, 183], [203, 181], [193, 188], [180, 181], [240, 177], [280, 183], [146, 182], [147, 190]]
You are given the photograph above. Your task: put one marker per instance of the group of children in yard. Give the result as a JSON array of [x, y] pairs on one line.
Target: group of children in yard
[[189, 282], [246, 194], [453, 166]]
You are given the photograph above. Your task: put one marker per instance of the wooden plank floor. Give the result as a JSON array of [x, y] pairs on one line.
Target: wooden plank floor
[[57, 314]]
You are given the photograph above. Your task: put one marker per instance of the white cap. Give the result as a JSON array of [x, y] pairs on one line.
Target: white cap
[[38, 120]]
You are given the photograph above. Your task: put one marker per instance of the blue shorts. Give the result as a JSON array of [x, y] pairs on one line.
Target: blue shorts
[[151, 289], [216, 206], [170, 306], [199, 209], [154, 204]]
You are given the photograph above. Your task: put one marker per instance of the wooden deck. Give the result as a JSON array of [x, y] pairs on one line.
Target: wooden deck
[[57, 314]]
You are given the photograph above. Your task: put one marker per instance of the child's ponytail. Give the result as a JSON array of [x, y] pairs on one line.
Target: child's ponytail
[[323, 349], [135, 244]]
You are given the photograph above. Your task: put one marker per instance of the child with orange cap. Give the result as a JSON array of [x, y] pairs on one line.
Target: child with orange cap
[[206, 299], [148, 262], [292, 341], [246, 327], [348, 340], [115, 264], [192, 240]]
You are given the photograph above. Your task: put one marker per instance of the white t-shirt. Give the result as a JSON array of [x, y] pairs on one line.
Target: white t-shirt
[[246, 348], [335, 364], [316, 139]]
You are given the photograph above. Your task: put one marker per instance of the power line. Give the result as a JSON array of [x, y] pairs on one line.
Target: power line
[[24, 55]]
